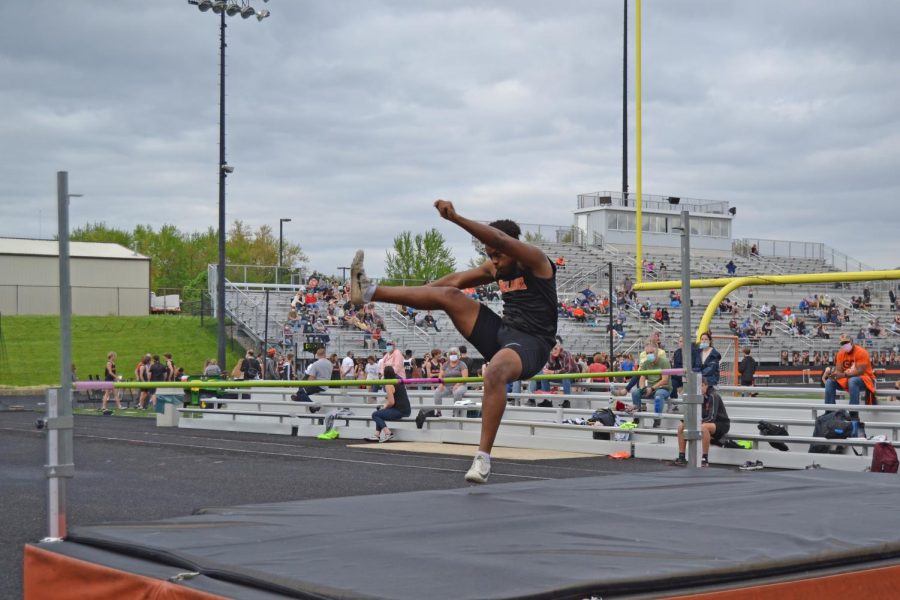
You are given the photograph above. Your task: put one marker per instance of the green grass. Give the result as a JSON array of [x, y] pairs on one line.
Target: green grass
[[29, 345]]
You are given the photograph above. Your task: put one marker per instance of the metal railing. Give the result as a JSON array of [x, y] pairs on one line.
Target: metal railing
[[652, 202]]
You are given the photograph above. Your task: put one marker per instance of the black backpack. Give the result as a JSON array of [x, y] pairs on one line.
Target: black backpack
[[766, 428], [251, 368], [833, 425], [603, 417]]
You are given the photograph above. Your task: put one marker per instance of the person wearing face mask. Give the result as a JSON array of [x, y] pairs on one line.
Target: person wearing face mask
[[453, 367], [852, 373], [709, 359], [392, 358], [657, 387]]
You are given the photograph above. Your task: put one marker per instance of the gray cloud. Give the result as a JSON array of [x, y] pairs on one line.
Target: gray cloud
[[352, 117]]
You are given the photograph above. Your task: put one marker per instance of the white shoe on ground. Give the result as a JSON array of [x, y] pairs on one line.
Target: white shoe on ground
[[479, 471]]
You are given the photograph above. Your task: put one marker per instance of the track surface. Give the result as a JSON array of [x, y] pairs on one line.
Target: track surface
[[129, 470]]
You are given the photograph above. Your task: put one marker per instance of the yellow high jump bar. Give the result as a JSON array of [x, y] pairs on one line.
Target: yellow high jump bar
[[729, 284]]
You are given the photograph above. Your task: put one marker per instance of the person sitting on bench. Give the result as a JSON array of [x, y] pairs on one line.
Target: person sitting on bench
[[714, 423]]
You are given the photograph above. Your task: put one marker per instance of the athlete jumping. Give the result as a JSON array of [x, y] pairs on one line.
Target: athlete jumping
[[518, 344]]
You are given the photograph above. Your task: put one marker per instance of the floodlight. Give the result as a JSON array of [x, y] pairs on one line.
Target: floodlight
[[733, 211], [674, 200], [232, 9], [247, 12], [205, 5], [262, 14], [218, 6]]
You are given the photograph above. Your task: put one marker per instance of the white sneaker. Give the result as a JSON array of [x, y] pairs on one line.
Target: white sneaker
[[359, 283], [479, 471]]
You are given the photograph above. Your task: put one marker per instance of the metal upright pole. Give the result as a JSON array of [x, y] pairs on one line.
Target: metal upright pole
[[59, 422], [625, 102], [220, 272], [610, 307], [691, 382], [266, 327], [280, 247]]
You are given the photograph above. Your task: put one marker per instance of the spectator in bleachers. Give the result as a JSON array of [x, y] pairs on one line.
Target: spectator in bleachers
[[895, 326], [821, 333], [892, 297], [754, 251], [618, 328], [428, 320], [560, 263], [393, 357], [599, 364], [714, 424], [875, 329], [731, 268], [560, 361], [666, 320], [371, 374], [319, 370], [852, 372], [658, 316], [396, 406], [709, 359], [453, 367], [767, 328], [657, 387]]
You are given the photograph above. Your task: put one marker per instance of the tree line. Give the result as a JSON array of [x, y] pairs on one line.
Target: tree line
[[179, 259]]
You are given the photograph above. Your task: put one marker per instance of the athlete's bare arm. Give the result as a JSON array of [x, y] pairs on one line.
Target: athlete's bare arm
[[530, 256], [480, 275]]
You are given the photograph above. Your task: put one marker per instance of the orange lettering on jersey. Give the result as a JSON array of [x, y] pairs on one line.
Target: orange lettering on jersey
[[512, 285]]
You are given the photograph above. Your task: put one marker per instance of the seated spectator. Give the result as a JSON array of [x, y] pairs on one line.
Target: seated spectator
[[453, 367], [599, 364], [396, 406], [644, 311], [560, 263], [714, 426], [560, 361], [821, 333], [428, 320], [785, 359], [731, 268], [767, 328], [852, 373], [666, 320], [754, 251], [658, 315], [733, 327], [895, 326], [657, 387], [578, 314], [875, 329], [663, 270], [618, 328]]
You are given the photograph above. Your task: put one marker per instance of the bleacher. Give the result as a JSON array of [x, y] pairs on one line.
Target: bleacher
[[586, 268], [270, 411]]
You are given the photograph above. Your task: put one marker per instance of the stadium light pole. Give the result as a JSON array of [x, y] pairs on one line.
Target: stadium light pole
[[223, 8], [281, 223]]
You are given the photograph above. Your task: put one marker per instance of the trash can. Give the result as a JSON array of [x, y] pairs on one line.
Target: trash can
[[167, 410]]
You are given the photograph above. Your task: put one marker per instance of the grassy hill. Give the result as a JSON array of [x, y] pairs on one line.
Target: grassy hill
[[29, 345]]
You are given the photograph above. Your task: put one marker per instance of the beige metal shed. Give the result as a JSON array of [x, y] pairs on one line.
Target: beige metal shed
[[107, 279]]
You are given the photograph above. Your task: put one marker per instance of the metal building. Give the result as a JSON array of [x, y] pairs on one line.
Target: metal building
[[107, 279]]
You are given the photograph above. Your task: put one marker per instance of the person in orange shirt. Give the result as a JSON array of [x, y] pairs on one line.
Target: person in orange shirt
[[852, 372]]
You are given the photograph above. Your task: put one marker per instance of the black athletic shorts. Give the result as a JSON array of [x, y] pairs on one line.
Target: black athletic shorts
[[721, 431], [491, 334]]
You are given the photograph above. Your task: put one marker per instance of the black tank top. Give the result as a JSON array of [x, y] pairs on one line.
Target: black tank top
[[401, 399], [529, 303]]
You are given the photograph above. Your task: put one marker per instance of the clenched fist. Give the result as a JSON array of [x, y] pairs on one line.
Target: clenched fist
[[445, 208]]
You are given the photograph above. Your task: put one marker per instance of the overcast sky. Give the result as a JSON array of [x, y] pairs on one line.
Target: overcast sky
[[351, 117]]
